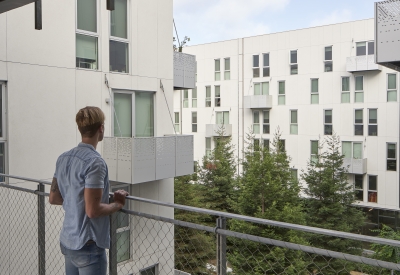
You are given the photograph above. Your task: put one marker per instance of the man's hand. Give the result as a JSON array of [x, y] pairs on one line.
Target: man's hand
[[119, 197]]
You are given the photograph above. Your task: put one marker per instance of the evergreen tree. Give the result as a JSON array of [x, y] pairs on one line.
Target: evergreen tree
[[329, 205], [267, 190], [193, 248]]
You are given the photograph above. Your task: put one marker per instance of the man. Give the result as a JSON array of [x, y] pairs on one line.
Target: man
[[80, 184]]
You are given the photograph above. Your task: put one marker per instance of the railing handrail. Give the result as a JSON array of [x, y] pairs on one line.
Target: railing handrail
[[305, 228]]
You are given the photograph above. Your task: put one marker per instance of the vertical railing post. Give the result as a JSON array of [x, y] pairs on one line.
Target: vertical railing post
[[221, 247], [41, 230], [38, 14], [112, 260]]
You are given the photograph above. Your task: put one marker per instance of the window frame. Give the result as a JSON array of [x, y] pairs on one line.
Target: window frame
[[194, 124], [265, 143], [374, 199], [256, 125], [358, 123], [208, 98], [294, 125], [328, 123], [266, 125], [261, 87], [223, 117], [194, 97], [155, 266], [185, 98], [391, 90], [227, 71], [208, 149], [345, 92], [328, 61], [358, 190], [316, 94], [217, 73], [391, 159], [352, 149], [266, 67], [284, 92], [294, 68], [256, 68], [177, 123], [314, 155], [358, 91], [217, 99], [372, 124]]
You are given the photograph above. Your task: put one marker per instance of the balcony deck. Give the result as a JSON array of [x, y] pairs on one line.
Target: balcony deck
[[258, 101]]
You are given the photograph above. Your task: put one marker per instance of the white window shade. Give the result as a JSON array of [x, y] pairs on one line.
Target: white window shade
[[123, 115], [86, 47], [265, 88], [119, 19], [144, 114], [87, 15], [357, 150], [346, 149]]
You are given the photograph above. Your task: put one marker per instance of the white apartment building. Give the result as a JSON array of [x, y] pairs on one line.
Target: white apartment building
[[309, 83], [86, 55]]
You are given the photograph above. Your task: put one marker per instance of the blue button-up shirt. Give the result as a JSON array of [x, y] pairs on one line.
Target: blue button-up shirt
[[80, 168]]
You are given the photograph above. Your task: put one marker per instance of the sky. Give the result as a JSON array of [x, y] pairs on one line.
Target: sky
[[207, 21]]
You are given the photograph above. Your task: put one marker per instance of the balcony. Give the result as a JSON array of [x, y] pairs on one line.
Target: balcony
[[7, 5], [362, 63], [184, 71], [258, 101], [356, 166], [137, 160], [214, 130]]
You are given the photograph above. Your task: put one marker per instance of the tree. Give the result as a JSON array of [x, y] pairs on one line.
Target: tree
[[267, 190], [193, 248], [330, 203]]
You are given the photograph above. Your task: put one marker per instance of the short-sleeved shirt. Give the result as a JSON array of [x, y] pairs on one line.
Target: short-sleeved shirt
[[82, 167]]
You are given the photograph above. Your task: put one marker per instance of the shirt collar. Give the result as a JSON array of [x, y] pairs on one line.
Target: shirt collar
[[81, 144]]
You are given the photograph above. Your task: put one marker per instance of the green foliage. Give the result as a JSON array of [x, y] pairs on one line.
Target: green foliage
[[267, 190], [329, 203], [193, 248]]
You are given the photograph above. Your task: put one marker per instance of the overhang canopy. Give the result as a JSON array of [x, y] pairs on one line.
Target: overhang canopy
[[7, 5]]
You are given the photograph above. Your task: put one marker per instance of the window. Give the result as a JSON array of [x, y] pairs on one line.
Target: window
[[391, 87], [362, 48], [328, 63], [208, 147], [352, 150], [152, 270], [372, 188], [185, 98], [261, 88], [3, 140], [328, 128], [294, 174], [86, 35], [194, 122], [122, 226], [293, 122], [358, 123], [265, 122], [227, 73], [217, 96], [256, 144], [140, 117], [176, 122], [256, 66], [256, 122], [266, 144], [314, 91], [194, 98], [208, 96], [282, 145], [372, 122], [281, 92], [266, 71], [391, 157], [217, 66], [359, 90], [293, 62], [222, 117], [345, 89], [359, 187], [314, 151], [119, 44]]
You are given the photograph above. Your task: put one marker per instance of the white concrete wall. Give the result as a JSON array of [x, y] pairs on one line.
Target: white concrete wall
[[45, 90], [310, 44]]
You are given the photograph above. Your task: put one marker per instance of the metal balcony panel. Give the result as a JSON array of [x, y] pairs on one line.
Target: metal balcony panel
[[387, 33], [110, 156], [362, 63], [212, 130], [144, 160], [184, 155], [7, 5], [355, 166], [124, 156], [184, 71], [258, 101], [165, 157]]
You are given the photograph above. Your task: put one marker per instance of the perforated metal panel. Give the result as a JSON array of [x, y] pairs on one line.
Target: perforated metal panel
[[355, 166], [258, 101], [184, 155], [144, 160], [212, 130], [361, 63], [184, 71], [387, 33], [165, 157], [124, 153], [110, 156]]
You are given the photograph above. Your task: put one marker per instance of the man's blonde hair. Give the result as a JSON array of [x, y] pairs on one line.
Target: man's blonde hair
[[89, 120]]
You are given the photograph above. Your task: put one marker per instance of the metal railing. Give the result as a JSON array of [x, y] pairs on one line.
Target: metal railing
[[144, 243]]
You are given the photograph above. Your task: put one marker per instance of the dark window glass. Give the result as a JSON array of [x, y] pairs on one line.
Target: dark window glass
[[391, 151], [266, 71], [256, 145], [328, 116], [266, 59], [256, 72], [328, 130], [358, 130], [266, 129], [358, 181], [266, 144], [361, 48], [328, 66], [372, 130], [391, 165], [371, 48], [282, 145], [372, 185], [293, 57], [359, 195], [256, 61], [328, 53], [294, 69], [118, 57]]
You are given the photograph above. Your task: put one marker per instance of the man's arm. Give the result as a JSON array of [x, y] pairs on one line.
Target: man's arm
[[55, 195], [95, 208]]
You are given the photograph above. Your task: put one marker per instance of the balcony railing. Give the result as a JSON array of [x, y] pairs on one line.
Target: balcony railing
[[258, 101], [362, 63], [184, 71], [7, 5], [355, 166], [136, 160], [143, 242], [215, 130]]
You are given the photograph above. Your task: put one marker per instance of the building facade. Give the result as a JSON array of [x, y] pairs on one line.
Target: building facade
[[86, 55], [307, 83]]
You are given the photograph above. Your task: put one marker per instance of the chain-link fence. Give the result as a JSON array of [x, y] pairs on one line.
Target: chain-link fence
[[146, 244]]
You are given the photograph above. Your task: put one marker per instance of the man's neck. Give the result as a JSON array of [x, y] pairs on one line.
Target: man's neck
[[92, 141]]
